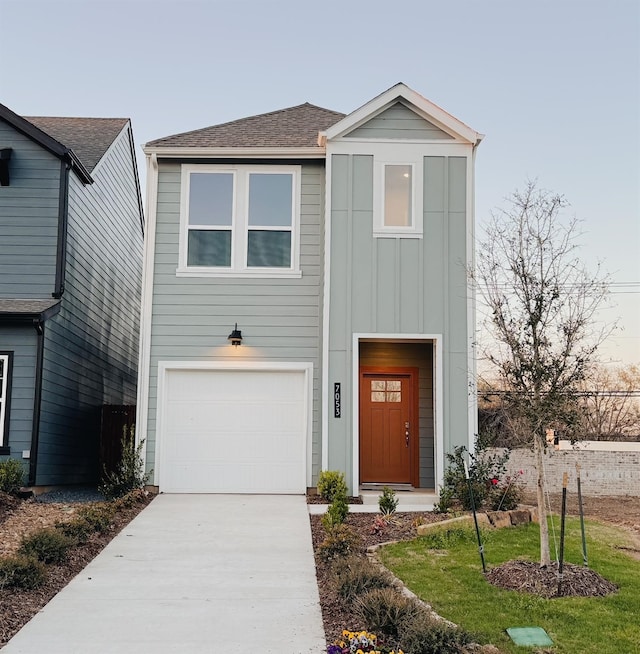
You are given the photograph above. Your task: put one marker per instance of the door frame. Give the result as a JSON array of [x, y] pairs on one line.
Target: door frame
[[438, 406], [414, 412]]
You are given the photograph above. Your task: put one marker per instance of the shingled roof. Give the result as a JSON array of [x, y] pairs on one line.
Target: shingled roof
[[89, 138], [294, 127]]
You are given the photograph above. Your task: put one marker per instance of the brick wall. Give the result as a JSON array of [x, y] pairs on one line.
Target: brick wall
[[602, 473]]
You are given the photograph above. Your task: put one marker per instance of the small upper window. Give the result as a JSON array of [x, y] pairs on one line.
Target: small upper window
[[240, 220], [397, 197], [398, 209]]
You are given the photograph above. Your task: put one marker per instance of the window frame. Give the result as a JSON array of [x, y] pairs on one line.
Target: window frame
[[5, 400], [240, 227], [380, 230]]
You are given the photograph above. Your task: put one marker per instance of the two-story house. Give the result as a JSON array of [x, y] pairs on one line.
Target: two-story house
[[306, 303], [71, 235]]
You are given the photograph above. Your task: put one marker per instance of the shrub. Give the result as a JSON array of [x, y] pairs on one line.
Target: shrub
[[386, 611], [76, 530], [46, 545], [445, 500], [129, 473], [97, 517], [341, 541], [11, 475], [505, 495], [21, 572], [388, 502], [355, 576], [336, 513], [426, 635], [331, 484], [128, 501], [485, 471]]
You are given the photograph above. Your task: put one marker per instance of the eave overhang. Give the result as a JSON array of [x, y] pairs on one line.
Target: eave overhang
[[27, 311], [235, 153], [47, 142]]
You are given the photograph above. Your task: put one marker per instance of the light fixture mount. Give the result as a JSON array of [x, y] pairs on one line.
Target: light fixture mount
[[235, 337]]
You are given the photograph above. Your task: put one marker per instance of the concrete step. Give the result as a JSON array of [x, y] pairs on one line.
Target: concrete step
[[416, 500]]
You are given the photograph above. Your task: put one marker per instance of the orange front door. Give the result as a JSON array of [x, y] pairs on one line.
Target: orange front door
[[388, 446]]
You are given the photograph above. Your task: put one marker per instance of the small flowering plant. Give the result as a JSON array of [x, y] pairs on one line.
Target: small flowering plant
[[359, 642], [505, 494]]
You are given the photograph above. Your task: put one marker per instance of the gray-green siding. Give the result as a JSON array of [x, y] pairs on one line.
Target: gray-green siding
[[91, 346], [28, 218], [399, 286], [280, 319], [398, 122]]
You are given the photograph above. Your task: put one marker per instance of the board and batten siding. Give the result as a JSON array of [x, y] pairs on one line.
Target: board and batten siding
[[28, 218], [398, 122], [91, 346], [399, 285], [22, 341], [280, 319]]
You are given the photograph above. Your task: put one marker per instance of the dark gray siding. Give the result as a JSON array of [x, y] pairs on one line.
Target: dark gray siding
[[21, 340], [399, 122], [91, 346], [28, 218], [280, 319]]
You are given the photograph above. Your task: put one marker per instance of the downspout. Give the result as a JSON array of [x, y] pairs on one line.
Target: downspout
[[61, 252], [37, 401]]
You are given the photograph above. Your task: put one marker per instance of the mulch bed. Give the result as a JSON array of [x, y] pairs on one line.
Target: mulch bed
[[337, 615], [529, 577], [17, 607]]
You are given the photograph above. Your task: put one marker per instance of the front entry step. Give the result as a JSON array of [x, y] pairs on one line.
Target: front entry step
[[409, 500]]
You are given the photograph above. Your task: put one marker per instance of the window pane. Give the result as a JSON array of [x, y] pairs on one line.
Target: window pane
[[377, 396], [394, 397], [377, 385], [270, 200], [269, 249], [397, 196], [393, 385], [209, 248], [210, 198]]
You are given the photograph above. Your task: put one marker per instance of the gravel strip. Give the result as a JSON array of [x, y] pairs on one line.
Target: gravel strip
[[71, 495]]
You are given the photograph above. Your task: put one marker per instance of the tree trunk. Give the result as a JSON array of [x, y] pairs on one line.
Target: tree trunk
[[545, 557]]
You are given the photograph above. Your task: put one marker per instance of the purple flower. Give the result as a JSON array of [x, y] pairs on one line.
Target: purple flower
[[334, 649]]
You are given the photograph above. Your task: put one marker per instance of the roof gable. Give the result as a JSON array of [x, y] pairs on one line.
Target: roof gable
[[293, 127], [439, 121], [89, 138], [399, 122]]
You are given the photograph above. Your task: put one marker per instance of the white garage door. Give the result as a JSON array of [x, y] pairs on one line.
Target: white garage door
[[233, 431]]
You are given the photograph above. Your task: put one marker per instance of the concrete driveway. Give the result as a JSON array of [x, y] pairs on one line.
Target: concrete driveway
[[213, 574]]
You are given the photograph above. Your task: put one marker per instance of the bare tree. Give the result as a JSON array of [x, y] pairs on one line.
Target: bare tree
[[541, 304], [611, 403]]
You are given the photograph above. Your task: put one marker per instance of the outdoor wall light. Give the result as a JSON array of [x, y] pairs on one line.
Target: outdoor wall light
[[235, 336]]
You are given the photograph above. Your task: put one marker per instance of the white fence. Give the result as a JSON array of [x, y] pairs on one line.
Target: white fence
[[606, 468]]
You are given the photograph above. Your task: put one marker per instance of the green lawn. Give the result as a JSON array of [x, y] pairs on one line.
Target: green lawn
[[448, 575]]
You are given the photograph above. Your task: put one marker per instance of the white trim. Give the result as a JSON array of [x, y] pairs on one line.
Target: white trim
[[274, 366], [471, 304], [4, 385], [240, 222], [187, 152], [326, 312], [436, 340], [146, 310], [424, 107], [380, 230]]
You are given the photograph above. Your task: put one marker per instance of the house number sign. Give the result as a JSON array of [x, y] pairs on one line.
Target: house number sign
[[337, 408]]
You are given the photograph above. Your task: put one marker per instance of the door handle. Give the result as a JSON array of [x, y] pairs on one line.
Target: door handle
[[406, 434]]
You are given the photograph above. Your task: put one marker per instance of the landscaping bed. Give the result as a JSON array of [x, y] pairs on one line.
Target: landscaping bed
[[21, 518]]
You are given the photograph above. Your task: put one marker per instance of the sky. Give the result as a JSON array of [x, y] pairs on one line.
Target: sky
[[553, 84]]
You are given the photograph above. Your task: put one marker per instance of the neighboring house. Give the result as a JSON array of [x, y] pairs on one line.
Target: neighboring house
[[339, 246], [71, 235]]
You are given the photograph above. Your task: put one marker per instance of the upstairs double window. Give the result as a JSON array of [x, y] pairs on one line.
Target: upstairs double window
[[240, 220]]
